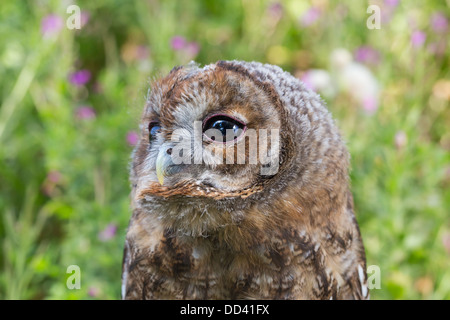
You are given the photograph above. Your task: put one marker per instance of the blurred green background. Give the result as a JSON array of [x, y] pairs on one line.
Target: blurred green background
[[70, 102]]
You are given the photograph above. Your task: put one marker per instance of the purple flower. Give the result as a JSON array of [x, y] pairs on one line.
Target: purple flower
[[189, 49], [367, 54], [391, 3], [370, 105], [275, 10], [49, 186], [108, 233], [51, 25], [418, 38], [439, 22], [84, 18], [388, 10], [446, 242], [132, 138], [142, 52], [80, 77], [178, 43], [307, 81], [85, 113], [54, 176], [401, 139], [437, 48], [93, 292], [310, 16], [192, 49]]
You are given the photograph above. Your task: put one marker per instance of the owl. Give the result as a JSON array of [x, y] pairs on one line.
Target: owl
[[240, 190]]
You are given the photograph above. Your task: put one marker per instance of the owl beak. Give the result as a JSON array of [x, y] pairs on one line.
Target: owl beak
[[164, 164]]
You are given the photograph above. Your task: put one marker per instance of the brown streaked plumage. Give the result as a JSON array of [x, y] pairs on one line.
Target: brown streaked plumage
[[214, 230]]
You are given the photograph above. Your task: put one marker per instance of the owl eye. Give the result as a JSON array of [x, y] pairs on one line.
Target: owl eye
[[153, 129], [223, 128]]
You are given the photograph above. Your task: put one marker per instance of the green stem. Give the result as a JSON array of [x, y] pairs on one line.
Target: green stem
[[23, 82]]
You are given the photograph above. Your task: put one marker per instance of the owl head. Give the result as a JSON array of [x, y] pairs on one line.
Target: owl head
[[218, 140]]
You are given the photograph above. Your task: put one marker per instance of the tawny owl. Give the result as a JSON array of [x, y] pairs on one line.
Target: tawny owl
[[240, 190]]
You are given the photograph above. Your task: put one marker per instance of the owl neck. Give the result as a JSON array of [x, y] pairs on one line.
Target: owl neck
[[243, 228]]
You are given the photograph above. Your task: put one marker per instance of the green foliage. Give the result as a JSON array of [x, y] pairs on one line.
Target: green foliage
[[64, 174]]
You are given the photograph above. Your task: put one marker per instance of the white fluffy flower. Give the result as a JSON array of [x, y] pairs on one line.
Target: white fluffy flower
[[320, 80], [356, 79]]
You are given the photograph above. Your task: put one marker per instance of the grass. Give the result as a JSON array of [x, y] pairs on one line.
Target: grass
[[64, 174]]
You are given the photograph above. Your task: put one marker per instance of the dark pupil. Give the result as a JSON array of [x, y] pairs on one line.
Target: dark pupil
[[229, 128], [223, 125]]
